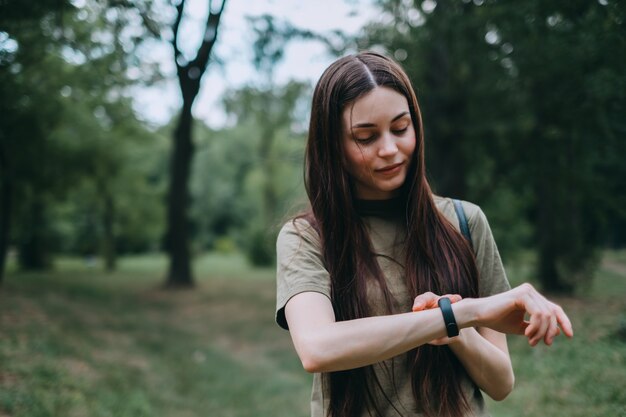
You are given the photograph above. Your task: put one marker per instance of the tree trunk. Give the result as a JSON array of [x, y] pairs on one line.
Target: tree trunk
[[189, 78], [547, 270], [6, 194], [550, 215], [270, 197], [177, 240], [108, 244], [32, 250]]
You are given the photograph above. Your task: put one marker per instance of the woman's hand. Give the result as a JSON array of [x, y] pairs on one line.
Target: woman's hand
[[482, 352], [429, 300], [505, 313]]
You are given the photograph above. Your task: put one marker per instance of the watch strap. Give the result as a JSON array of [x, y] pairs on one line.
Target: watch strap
[[448, 316]]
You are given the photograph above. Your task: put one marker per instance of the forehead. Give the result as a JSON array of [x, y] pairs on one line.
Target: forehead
[[380, 105]]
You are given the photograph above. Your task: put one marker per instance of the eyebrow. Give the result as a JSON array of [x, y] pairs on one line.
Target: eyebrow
[[359, 125]]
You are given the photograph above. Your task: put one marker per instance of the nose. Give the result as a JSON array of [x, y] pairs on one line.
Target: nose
[[388, 146]]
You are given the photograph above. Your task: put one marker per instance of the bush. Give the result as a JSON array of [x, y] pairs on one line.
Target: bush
[[261, 248]]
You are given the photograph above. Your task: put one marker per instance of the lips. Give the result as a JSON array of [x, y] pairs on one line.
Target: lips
[[390, 168]]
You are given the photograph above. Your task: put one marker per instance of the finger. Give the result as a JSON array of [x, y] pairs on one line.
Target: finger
[[443, 341], [454, 298], [418, 305], [564, 322], [529, 304], [432, 302], [544, 322], [539, 325], [422, 301], [562, 318], [553, 331], [439, 342], [523, 326], [547, 326]]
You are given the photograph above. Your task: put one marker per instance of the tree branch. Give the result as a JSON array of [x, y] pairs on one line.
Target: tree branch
[[179, 17], [210, 36]]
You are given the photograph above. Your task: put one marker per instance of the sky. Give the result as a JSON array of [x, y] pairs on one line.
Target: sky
[[304, 60]]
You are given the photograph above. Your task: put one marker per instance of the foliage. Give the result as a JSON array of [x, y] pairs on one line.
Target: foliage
[[68, 124], [272, 111], [189, 73], [254, 169], [522, 104], [523, 113], [572, 88]]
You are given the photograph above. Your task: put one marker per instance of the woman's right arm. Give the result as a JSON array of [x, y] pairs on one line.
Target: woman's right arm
[[325, 345], [505, 313]]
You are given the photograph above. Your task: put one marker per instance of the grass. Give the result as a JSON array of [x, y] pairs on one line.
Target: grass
[[79, 342], [584, 376]]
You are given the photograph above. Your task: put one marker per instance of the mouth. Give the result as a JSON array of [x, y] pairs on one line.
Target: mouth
[[390, 169]]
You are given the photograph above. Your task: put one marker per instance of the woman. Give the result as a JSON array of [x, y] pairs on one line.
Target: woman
[[361, 276]]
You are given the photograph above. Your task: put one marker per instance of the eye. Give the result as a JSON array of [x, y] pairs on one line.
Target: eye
[[400, 130], [365, 139]]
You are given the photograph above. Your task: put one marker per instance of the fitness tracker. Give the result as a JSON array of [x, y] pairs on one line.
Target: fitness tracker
[[448, 316]]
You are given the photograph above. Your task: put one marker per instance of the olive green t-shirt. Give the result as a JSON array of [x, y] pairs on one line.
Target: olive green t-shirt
[[300, 268]]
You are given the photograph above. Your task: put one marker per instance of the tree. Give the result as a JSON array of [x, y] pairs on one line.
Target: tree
[[564, 64], [469, 115], [29, 110], [527, 102], [189, 77], [273, 108], [272, 111], [66, 71]]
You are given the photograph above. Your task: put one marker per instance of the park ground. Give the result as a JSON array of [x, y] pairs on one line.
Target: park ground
[[79, 342]]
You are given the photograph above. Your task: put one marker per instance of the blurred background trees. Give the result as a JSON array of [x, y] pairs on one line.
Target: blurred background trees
[[523, 105], [190, 72], [68, 132]]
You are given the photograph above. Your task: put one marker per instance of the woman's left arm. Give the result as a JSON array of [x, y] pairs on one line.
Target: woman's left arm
[[485, 356], [483, 352]]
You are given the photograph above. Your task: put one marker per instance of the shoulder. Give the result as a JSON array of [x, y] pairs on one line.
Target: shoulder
[[492, 277], [297, 237], [473, 213], [299, 264], [298, 229], [477, 220]]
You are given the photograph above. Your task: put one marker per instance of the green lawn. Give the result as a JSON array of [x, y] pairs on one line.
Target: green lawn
[[79, 342]]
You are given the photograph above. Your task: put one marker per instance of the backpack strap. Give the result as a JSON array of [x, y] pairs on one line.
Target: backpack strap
[[464, 225]]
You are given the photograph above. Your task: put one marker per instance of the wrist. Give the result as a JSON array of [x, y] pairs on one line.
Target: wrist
[[465, 312], [458, 344], [445, 305]]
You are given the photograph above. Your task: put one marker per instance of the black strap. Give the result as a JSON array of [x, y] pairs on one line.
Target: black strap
[[460, 213], [448, 317]]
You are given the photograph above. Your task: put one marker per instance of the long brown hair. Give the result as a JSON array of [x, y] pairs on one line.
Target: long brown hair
[[438, 258]]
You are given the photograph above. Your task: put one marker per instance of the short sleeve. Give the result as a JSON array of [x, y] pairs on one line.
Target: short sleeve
[[299, 265], [492, 276]]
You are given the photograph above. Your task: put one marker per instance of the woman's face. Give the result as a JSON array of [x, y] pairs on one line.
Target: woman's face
[[378, 141]]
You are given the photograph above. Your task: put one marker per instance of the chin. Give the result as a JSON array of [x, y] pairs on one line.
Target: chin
[[392, 186]]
